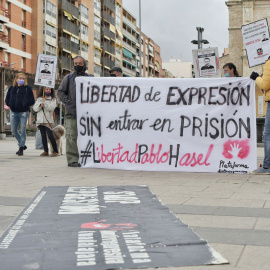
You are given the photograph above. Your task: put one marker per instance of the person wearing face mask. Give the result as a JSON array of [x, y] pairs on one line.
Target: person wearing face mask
[[229, 70], [44, 106], [19, 98], [67, 94]]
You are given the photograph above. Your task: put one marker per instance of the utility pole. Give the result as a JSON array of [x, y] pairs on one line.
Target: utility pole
[[200, 40], [2, 103], [140, 37]]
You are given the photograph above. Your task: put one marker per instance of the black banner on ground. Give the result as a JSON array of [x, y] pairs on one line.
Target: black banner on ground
[[104, 227]]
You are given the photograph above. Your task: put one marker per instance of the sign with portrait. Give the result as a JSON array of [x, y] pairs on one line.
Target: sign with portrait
[[191, 125], [206, 63], [256, 41], [46, 70]]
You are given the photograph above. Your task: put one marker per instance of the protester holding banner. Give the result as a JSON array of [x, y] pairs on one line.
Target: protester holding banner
[[67, 94], [19, 98], [44, 106], [229, 70], [116, 72], [264, 83]]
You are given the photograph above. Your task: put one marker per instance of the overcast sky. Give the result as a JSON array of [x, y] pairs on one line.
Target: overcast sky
[[172, 24]]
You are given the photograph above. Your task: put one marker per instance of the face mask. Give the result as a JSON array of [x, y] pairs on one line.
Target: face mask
[[78, 68], [47, 94], [20, 82], [227, 75]]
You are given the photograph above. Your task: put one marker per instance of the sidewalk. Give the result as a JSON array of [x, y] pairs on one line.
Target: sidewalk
[[231, 212]]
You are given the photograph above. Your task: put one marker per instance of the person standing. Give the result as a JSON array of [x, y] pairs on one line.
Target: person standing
[[19, 98], [67, 94], [229, 70], [264, 83], [44, 106]]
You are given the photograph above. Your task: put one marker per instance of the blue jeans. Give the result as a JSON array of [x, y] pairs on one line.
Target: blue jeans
[[266, 135], [19, 119]]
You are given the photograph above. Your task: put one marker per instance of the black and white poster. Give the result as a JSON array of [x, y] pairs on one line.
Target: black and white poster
[[46, 70], [106, 227], [256, 41], [206, 63]]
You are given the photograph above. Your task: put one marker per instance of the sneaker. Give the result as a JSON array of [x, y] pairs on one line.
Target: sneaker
[[74, 164], [54, 154], [44, 154], [261, 171]]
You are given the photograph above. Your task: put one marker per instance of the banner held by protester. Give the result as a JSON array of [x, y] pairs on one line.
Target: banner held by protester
[[192, 125]]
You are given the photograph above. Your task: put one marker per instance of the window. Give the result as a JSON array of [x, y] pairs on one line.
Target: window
[[84, 29], [97, 4], [96, 36], [51, 9], [97, 69], [23, 61], [23, 18], [23, 43], [84, 47], [97, 20], [50, 31], [84, 11], [97, 53], [50, 50]]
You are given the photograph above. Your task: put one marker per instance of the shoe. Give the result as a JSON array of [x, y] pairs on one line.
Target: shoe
[[74, 164], [44, 154], [24, 148], [54, 154], [261, 171], [20, 152]]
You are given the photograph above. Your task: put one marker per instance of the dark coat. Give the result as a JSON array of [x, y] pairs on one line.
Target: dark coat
[[19, 99]]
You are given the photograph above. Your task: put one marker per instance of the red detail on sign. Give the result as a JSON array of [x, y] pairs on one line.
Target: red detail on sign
[[233, 149], [101, 226]]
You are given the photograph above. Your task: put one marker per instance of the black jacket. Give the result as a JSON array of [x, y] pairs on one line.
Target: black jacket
[[19, 99]]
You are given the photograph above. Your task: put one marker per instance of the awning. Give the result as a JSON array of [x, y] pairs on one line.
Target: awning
[[119, 33], [68, 15], [127, 53], [73, 55]]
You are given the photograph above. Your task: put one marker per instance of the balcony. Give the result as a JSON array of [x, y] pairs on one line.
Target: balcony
[[4, 41], [66, 62], [109, 5], [107, 47], [108, 62], [108, 18], [108, 33], [4, 15], [70, 27]]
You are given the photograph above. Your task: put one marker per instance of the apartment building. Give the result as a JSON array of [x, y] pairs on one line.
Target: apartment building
[[102, 31], [16, 34]]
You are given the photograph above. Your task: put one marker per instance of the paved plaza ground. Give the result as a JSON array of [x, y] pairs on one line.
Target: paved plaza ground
[[231, 212]]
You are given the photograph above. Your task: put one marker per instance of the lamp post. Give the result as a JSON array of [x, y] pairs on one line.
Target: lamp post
[[200, 41], [140, 38]]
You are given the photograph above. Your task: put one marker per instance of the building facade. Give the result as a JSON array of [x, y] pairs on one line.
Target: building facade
[[102, 31]]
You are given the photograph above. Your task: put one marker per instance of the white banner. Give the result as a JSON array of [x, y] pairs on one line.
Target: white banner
[[190, 125], [256, 41]]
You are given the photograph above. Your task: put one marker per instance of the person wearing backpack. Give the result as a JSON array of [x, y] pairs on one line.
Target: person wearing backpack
[[67, 94]]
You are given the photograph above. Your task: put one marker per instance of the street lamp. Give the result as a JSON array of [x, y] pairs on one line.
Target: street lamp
[[200, 41]]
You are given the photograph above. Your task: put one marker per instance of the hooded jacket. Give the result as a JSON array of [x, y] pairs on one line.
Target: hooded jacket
[[67, 91], [19, 99], [264, 81]]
